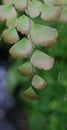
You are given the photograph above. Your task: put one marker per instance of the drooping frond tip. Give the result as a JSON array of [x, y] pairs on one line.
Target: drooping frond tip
[[20, 18]]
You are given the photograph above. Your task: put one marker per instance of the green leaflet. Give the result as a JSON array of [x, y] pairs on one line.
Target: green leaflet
[[50, 12], [38, 82], [34, 8], [30, 93], [20, 5], [21, 49], [46, 35], [10, 35], [63, 17], [26, 69], [41, 60], [11, 22], [7, 12], [23, 24]]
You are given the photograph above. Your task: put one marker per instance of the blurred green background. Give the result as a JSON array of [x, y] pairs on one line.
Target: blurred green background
[[50, 111]]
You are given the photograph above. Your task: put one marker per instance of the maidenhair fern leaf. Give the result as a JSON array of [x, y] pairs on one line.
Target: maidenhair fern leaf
[[26, 69], [20, 16], [21, 49], [23, 24], [42, 60], [30, 93], [38, 82], [20, 5], [34, 8], [46, 35], [7, 12], [50, 12], [10, 35]]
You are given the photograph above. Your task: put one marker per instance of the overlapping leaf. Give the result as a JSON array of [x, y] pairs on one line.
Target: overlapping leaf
[[19, 16]]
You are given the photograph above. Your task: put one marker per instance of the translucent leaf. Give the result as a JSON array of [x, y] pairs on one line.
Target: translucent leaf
[[7, 11], [21, 49], [8, 1], [10, 35], [21, 5], [34, 8], [30, 93], [23, 24], [43, 35], [63, 17], [11, 22], [39, 83], [50, 12], [41, 60], [26, 69]]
